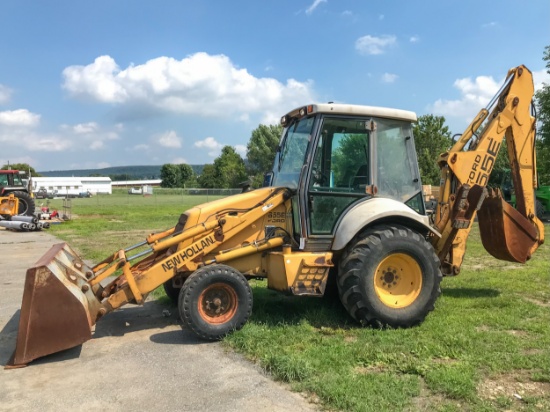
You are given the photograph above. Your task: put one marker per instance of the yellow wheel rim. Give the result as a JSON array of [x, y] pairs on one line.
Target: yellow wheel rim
[[398, 280]]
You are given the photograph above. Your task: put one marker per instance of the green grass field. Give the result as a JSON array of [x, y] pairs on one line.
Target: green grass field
[[486, 347]]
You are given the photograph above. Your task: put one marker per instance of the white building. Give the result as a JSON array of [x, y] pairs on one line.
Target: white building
[[134, 183], [73, 186]]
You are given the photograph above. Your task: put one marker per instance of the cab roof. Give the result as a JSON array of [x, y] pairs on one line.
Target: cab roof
[[355, 110]]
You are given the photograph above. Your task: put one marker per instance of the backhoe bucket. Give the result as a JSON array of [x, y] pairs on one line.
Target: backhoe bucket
[[505, 233], [58, 309]]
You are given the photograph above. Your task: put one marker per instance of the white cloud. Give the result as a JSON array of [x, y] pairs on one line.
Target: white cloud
[[18, 159], [540, 77], [475, 94], [178, 161], [489, 25], [17, 138], [19, 133], [347, 13], [241, 149], [200, 84], [86, 128], [213, 146], [5, 94], [170, 139], [389, 77], [374, 45], [89, 135], [19, 118], [414, 39], [95, 81], [314, 5], [103, 165]]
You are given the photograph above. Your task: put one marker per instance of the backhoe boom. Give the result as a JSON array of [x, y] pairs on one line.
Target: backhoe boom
[[506, 233]]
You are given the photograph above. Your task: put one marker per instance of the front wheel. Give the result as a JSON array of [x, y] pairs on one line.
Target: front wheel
[[389, 275], [214, 301]]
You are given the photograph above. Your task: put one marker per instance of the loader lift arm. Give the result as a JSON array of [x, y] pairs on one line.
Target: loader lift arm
[[83, 299], [507, 233]]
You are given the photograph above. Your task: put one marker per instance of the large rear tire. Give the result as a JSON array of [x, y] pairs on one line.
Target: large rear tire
[[214, 301], [26, 203], [389, 275], [171, 291]]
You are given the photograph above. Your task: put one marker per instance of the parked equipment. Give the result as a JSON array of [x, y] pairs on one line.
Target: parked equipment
[[344, 199], [23, 223], [12, 183]]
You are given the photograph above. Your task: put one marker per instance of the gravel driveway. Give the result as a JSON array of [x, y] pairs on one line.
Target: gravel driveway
[[138, 359]]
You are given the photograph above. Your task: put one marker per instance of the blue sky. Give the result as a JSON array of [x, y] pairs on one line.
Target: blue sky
[[92, 84]]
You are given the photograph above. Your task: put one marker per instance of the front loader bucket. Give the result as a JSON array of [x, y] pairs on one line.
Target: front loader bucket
[[58, 308], [505, 233]]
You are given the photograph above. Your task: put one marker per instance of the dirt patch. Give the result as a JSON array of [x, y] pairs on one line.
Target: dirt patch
[[538, 302], [532, 351], [426, 400], [519, 333], [517, 387], [364, 370], [484, 266], [444, 361]]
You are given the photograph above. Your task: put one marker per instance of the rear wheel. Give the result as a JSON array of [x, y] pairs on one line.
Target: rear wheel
[[389, 276], [171, 291], [214, 301], [26, 203]]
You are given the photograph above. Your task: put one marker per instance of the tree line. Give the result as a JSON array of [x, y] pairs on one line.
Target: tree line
[[229, 169]]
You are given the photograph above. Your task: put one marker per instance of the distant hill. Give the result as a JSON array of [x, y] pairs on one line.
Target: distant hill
[[117, 173]]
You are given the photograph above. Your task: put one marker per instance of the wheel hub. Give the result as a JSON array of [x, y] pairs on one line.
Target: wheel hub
[[398, 280], [390, 277], [217, 303]]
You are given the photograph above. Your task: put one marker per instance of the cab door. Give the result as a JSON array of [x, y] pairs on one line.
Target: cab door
[[341, 172]]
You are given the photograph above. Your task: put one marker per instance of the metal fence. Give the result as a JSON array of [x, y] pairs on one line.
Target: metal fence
[[121, 197]]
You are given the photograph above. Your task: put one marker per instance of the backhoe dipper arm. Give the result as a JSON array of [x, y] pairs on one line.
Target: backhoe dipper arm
[[506, 233]]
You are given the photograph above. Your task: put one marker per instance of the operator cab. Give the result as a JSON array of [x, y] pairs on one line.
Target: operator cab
[[336, 156]]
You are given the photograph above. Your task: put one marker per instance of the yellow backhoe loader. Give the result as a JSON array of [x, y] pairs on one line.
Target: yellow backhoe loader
[[344, 198]]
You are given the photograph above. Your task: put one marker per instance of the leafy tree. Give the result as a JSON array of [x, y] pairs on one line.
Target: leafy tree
[[208, 179], [261, 150], [543, 109], [21, 166], [229, 168], [186, 174], [228, 171], [432, 138], [349, 156], [169, 174], [121, 177]]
